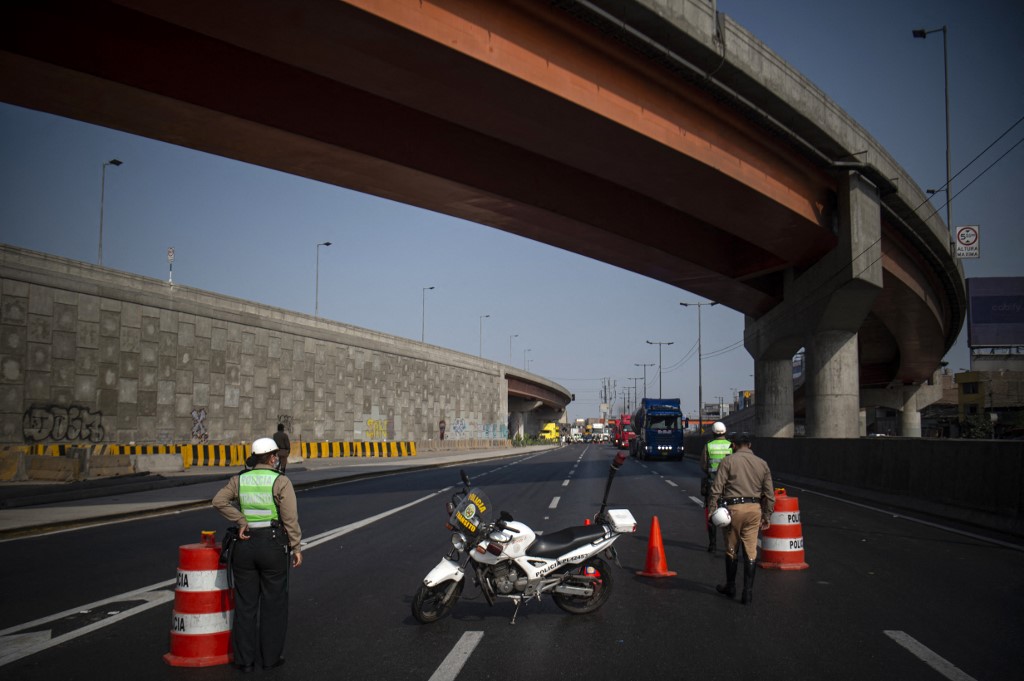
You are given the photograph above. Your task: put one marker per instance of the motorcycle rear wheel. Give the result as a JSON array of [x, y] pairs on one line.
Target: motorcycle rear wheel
[[600, 579], [428, 605]]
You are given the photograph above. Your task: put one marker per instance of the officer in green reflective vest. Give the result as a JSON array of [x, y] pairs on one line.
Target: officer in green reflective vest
[[714, 451], [261, 502]]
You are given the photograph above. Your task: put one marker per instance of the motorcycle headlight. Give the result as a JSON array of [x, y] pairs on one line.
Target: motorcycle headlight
[[459, 541]]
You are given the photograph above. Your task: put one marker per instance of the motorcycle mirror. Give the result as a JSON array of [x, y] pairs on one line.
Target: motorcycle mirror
[[620, 459], [506, 516], [465, 478]]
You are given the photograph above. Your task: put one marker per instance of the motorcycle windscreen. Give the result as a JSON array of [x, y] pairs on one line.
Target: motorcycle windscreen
[[473, 513]]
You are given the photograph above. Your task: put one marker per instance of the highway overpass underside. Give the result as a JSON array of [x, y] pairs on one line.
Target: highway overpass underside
[[546, 120]]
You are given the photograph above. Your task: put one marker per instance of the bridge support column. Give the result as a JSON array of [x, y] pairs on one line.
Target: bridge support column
[[833, 391], [909, 400], [773, 390], [822, 310]]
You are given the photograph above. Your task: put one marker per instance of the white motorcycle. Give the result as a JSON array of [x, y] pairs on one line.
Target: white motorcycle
[[510, 561]]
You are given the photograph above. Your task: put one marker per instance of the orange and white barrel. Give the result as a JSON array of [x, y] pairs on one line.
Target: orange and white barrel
[[203, 608], [781, 546]]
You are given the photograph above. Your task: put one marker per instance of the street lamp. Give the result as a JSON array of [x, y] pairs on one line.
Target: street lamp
[[515, 335], [524, 357], [482, 318], [103, 186], [659, 344], [645, 373], [423, 314], [316, 305], [923, 33], [700, 373]]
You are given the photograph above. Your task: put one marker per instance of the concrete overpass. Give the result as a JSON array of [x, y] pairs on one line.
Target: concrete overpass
[[655, 135]]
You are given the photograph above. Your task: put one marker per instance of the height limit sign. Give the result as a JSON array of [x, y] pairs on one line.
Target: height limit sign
[[968, 242]]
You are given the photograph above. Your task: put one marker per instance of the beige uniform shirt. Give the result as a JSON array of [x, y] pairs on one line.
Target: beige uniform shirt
[[742, 474], [226, 502]]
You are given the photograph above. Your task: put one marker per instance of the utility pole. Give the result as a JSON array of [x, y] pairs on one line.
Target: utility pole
[[645, 374]]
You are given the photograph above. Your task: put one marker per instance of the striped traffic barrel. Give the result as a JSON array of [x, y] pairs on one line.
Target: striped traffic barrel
[[781, 546], [203, 607]]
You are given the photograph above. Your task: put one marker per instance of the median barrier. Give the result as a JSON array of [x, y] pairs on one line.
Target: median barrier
[[53, 468], [12, 467], [157, 463]]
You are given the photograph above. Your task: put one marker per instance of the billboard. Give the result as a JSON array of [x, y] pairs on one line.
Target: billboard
[[995, 312]]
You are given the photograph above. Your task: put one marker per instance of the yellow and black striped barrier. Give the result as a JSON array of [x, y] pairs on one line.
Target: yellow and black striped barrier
[[226, 455], [329, 450]]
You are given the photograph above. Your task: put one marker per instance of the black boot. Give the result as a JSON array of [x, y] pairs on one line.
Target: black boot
[[729, 588], [748, 581], [712, 537]]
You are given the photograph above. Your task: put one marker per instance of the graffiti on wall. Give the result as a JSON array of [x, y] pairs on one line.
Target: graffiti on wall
[[286, 421], [459, 428], [200, 435], [495, 431], [376, 429], [73, 424]]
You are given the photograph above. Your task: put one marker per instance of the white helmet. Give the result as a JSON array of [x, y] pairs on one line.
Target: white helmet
[[718, 428], [721, 517], [264, 445]]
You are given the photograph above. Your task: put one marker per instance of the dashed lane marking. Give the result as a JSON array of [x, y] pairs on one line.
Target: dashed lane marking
[[928, 656]]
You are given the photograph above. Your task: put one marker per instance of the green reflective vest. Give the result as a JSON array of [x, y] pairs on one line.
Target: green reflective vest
[[256, 496], [718, 449]]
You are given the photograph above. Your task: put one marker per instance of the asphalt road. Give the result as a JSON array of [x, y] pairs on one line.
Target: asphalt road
[[884, 597]]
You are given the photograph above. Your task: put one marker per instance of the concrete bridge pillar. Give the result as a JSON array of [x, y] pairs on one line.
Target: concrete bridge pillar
[[822, 310], [909, 400], [832, 385], [773, 406]]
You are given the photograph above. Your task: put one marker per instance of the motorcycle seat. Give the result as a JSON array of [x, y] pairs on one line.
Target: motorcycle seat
[[562, 542]]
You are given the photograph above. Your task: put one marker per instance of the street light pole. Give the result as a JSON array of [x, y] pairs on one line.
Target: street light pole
[[316, 304], [645, 373], [103, 187], [514, 335], [482, 318], [659, 344], [922, 33], [423, 314], [700, 372]]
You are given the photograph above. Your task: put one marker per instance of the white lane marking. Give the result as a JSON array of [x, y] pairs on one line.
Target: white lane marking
[[699, 502], [565, 483], [554, 502], [933, 660], [345, 529], [452, 665], [672, 483], [937, 526], [19, 646]]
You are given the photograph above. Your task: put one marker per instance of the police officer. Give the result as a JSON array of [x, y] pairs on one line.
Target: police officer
[[714, 451], [744, 485], [261, 502]]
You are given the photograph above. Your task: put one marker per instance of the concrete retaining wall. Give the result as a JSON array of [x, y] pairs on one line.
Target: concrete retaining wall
[[93, 356]]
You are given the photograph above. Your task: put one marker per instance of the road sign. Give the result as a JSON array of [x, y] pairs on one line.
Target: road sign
[[968, 241]]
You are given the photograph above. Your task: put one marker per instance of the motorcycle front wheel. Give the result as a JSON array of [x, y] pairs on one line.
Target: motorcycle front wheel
[[593, 573], [429, 604]]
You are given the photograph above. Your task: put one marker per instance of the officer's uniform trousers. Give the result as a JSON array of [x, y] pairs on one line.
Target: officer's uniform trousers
[[746, 521], [260, 568]]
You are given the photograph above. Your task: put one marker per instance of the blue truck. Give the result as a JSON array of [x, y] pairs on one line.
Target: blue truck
[[658, 425]]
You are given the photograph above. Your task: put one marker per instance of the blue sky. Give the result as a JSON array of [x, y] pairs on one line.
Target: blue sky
[[250, 232]]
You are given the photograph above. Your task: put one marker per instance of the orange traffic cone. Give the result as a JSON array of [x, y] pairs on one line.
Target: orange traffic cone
[[782, 545], [655, 554]]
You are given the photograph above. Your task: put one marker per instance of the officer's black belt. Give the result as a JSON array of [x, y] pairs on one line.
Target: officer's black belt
[[740, 500]]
